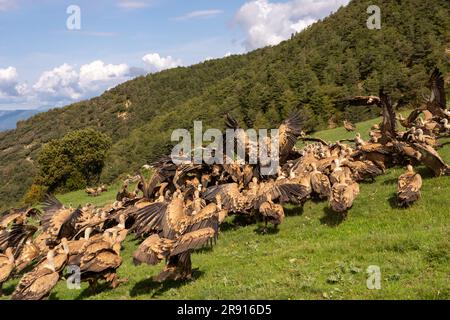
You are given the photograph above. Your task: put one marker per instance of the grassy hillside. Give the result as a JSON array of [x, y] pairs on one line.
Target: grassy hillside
[[314, 255], [332, 59]]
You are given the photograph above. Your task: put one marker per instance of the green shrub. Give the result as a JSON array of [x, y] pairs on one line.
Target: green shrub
[[73, 162]]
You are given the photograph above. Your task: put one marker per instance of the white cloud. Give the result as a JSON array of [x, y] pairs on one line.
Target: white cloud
[[200, 14], [7, 4], [131, 4], [96, 74], [9, 86], [155, 63], [59, 83], [266, 23], [65, 83]]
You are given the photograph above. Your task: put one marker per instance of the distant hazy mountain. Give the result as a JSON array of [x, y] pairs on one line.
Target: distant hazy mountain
[[9, 118]]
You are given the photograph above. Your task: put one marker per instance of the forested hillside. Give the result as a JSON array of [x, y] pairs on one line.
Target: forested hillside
[[313, 71]]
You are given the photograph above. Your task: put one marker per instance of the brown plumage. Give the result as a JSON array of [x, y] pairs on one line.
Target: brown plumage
[[272, 213], [289, 131], [320, 183], [38, 283], [28, 254], [431, 159], [58, 221], [294, 189], [176, 234], [349, 126], [408, 188], [231, 196], [340, 172], [6, 267], [19, 237], [363, 100], [437, 101], [17, 216], [404, 122], [153, 250], [342, 195], [100, 259], [389, 124], [379, 154], [362, 170]]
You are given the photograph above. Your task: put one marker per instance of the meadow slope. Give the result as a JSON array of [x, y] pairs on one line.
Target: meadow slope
[[314, 255]]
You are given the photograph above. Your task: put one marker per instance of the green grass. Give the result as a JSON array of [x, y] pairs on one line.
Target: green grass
[[314, 255]]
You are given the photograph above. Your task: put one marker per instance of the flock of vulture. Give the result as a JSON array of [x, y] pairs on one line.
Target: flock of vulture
[[180, 207]]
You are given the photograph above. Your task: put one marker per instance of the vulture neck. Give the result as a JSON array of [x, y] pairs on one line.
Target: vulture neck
[[87, 233], [9, 254], [50, 260]]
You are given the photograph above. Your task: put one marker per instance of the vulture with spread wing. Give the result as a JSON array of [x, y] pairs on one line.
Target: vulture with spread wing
[[175, 235], [437, 101]]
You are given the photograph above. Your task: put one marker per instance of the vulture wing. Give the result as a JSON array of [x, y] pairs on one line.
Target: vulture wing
[[153, 250], [362, 100], [229, 193], [289, 131], [35, 285], [68, 228], [103, 260], [149, 219], [51, 204], [17, 237], [436, 84], [194, 240], [389, 121], [431, 159], [205, 218], [413, 116], [284, 189], [231, 122]]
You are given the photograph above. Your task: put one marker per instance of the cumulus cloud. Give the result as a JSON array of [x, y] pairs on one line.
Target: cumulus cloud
[[155, 63], [199, 14], [59, 83], [65, 83], [96, 74], [9, 86], [268, 23]]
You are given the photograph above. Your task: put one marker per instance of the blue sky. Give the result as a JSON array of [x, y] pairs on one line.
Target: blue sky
[[42, 62]]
